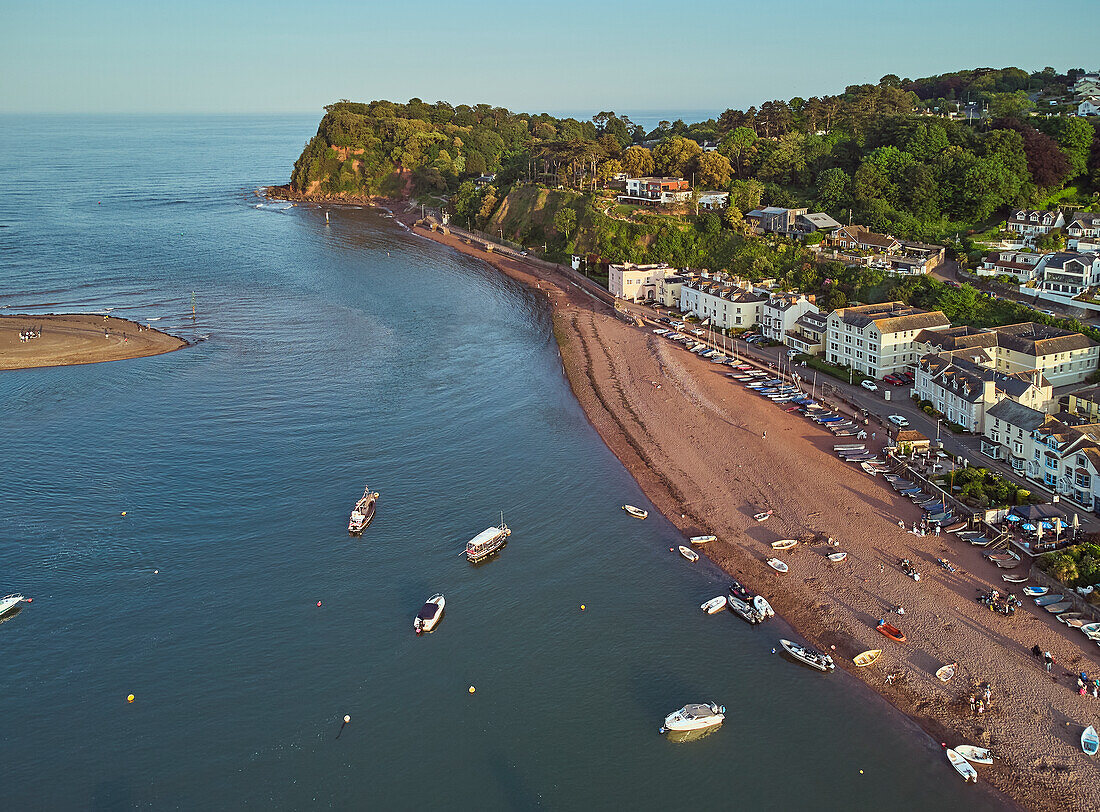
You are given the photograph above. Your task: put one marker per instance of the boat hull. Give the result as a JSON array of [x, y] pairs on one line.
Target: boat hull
[[893, 632], [9, 602], [867, 658]]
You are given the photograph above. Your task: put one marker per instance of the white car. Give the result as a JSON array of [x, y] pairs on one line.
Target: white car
[[898, 420], [869, 385]]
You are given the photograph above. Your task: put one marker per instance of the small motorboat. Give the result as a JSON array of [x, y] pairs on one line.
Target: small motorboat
[[784, 544], [761, 605], [363, 512], [636, 512], [837, 556], [695, 717], [1089, 740], [1015, 579], [763, 517], [777, 565], [891, 631], [867, 658], [1090, 628], [962, 766], [714, 605], [430, 614], [702, 539], [1036, 591], [743, 609], [810, 656], [1058, 608], [978, 755], [689, 554], [1047, 600], [9, 602], [739, 591], [945, 673]]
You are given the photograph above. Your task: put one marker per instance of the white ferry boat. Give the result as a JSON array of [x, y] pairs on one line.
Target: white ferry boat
[[488, 541]]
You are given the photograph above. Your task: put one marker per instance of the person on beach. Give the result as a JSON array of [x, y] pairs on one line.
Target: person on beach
[[973, 703], [1048, 660], [764, 434], [1036, 651]]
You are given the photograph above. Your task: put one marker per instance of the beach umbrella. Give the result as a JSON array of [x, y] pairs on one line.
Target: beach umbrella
[[1012, 517], [1046, 525], [1028, 526]]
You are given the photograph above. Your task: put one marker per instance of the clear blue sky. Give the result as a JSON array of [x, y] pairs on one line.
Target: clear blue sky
[[191, 56]]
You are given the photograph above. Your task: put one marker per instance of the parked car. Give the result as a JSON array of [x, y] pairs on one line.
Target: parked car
[[894, 380], [898, 420], [869, 385], [907, 376]]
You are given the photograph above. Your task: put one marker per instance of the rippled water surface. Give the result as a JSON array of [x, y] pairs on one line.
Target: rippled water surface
[[329, 357]]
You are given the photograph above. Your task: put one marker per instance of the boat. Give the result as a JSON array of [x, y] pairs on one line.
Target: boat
[[866, 658], [1005, 560], [689, 554], [702, 539], [784, 544], [1066, 617], [763, 517], [636, 512], [743, 609], [1090, 628], [1089, 740], [738, 590], [1047, 600], [837, 556], [777, 565], [868, 468], [978, 755], [1036, 591], [891, 631], [9, 602], [714, 605], [363, 512], [430, 613], [487, 542], [810, 656], [761, 605], [945, 673], [962, 766], [695, 717], [1015, 579], [1058, 608]]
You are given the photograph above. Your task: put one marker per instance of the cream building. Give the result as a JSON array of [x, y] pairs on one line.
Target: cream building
[[781, 312], [878, 340], [728, 306], [637, 282]]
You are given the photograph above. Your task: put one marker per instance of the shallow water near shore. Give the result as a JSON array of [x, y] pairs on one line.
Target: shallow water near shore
[[338, 356]]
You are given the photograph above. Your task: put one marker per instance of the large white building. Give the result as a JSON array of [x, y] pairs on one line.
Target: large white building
[[878, 340], [781, 312], [637, 282], [726, 305]]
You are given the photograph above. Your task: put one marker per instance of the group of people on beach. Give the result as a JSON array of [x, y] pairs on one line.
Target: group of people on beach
[[981, 699], [29, 335]]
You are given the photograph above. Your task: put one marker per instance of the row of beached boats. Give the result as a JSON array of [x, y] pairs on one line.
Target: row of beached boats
[[933, 505]]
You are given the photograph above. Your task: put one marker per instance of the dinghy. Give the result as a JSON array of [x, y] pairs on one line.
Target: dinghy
[[945, 673], [1036, 591], [430, 614], [891, 631], [1015, 579], [784, 544], [978, 755], [962, 766], [636, 512], [1073, 622], [743, 610], [777, 565], [1089, 740], [714, 605], [866, 658], [1047, 600], [837, 556], [702, 539], [1090, 628], [810, 656], [1058, 608], [763, 517], [761, 605], [689, 554], [1066, 617]]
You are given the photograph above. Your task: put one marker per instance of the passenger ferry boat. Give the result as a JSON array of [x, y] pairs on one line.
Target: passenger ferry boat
[[487, 542], [363, 512]]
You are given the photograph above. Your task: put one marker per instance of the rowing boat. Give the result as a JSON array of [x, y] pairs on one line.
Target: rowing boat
[[945, 673], [784, 544], [689, 554], [962, 766], [702, 539], [636, 512], [777, 565], [1090, 742], [837, 556], [979, 755], [867, 657]]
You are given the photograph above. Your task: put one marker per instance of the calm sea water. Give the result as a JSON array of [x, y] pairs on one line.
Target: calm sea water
[[328, 358]]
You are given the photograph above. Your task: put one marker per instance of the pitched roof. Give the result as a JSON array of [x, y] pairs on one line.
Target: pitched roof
[[1016, 414], [1032, 338], [892, 317]]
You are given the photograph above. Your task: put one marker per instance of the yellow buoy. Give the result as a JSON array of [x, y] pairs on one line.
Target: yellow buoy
[[582, 607], [472, 689], [124, 513], [130, 698]]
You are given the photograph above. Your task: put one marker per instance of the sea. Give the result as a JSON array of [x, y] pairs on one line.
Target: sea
[[180, 523]]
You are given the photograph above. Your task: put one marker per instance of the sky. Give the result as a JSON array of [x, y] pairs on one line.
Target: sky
[[563, 56]]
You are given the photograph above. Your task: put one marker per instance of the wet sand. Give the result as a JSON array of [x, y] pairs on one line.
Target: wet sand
[[78, 339], [696, 447]]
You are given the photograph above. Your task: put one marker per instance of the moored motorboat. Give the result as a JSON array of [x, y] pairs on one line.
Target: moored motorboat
[[784, 544], [363, 512], [867, 657], [636, 512], [978, 755], [810, 656], [487, 542], [689, 554], [777, 565], [891, 631], [714, 605], [945, 673], [738, 590], [1090, 742], [761, 605], [9, 602], [838, 556], [430, 614], [696, 716], [702, 539], [962, 766]]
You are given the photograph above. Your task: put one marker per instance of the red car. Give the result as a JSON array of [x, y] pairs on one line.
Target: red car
[[894, 380]]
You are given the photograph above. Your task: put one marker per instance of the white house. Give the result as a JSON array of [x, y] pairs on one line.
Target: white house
[[1033, 223], [878, 340], [713, 201], [1022, 265], [1070, 274], [726, 305], [781, 312], [1089, 106], [634, 282]]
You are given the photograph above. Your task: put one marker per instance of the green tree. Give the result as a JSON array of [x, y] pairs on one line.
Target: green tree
[[565, 221], [674, 156], [832, 186], [712, 171], [1074, 137], [1010, 105], [745, 195], [738, 146], [638, 162]]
